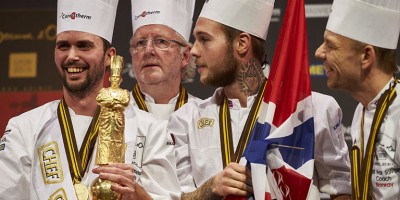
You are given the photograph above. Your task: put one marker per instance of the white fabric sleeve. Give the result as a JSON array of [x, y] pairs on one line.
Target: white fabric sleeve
[[397, 153], [179, 127], [331, 153], [16, 159], [159, 177]]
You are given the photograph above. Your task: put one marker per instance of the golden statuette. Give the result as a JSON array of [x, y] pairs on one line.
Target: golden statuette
[[111, 143]]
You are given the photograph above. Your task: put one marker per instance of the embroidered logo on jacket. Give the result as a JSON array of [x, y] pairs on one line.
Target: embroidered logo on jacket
[[172, 141], [50, 163], [138, 156], [337, 125], [204, 122], [58, 195], [4, 140]]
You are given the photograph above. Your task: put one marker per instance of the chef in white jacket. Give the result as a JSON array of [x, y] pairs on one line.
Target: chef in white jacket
[[160, 51], [39, 147], [359, 55], [225, 55]]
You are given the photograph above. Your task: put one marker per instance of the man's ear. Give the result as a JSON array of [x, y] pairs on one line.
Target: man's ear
[[109, 53], [368, 56], [243, 44], [186, 56]]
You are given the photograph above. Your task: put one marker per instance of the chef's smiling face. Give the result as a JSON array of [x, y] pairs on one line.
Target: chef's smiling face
[[341, 60], [81, 60]]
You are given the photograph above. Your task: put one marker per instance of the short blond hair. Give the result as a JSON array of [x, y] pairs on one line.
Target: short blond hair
[[386, 58]]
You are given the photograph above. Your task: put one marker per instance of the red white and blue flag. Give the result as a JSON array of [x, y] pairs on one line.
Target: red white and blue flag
[[282, 141]]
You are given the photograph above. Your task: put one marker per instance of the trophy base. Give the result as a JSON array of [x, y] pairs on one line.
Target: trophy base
[[101, 190]]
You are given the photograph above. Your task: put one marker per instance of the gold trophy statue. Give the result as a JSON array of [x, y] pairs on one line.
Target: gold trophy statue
[[111, 143]]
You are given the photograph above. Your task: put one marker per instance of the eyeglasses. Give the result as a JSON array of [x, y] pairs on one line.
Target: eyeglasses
[[158, 43]]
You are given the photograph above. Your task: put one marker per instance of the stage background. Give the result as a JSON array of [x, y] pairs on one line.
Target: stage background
[[28, 77]]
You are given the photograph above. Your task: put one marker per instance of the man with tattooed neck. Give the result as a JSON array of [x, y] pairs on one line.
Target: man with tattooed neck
[[229, 51]]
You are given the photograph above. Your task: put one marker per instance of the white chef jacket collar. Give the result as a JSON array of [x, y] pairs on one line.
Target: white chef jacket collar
[[233, 103], [374, 102], [149, 98]]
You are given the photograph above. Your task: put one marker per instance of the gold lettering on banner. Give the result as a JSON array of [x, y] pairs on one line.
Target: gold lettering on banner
[[15, 36], [48, 33], [22, 65], [50, 163], [59, 195], [204, 122]]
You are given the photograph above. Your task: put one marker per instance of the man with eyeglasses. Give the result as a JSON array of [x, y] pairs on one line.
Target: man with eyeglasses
[[209, 134], [158, 43], [49, 152], [161, 62], [160, 53]]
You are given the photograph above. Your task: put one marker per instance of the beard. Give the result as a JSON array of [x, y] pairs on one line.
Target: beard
[[224, 72], [91, 81]]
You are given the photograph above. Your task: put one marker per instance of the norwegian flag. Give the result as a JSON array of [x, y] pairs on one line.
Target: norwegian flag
[[283, 137]]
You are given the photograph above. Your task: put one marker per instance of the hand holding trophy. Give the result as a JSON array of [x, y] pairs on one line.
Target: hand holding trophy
[[111, 143]]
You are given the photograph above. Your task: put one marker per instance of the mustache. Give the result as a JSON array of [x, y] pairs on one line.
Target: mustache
[[199, 64], [151, 62], [74, 64]]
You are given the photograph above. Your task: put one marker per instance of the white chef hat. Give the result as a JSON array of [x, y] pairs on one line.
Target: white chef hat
[[375, 22], [251, 16], [91, 16], [176, 14]]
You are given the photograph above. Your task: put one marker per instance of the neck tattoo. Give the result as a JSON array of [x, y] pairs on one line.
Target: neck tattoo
[[250, 77]]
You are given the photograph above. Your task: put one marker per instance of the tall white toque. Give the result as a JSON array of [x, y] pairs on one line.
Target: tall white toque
[[374, 22], [91, 16], [176, 14], [251, 16]]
